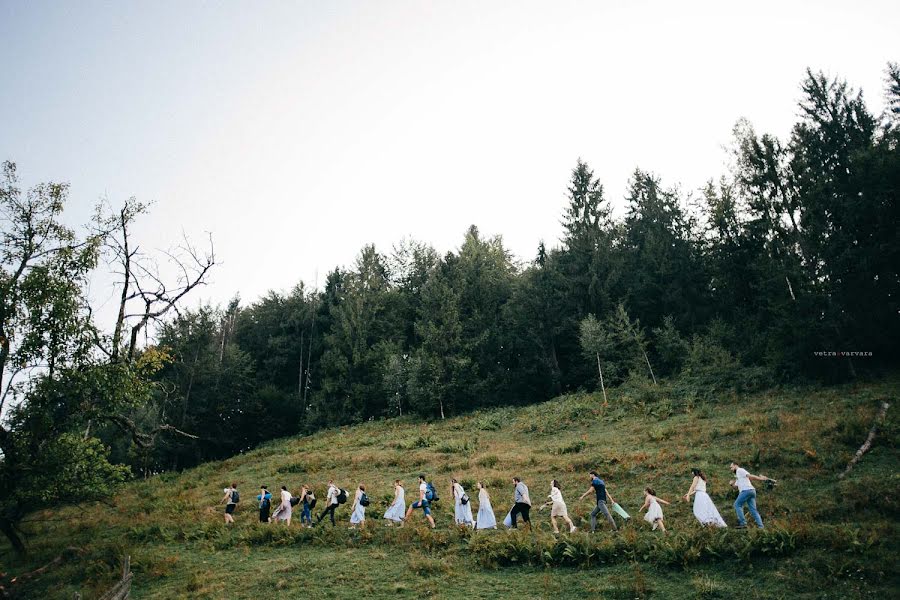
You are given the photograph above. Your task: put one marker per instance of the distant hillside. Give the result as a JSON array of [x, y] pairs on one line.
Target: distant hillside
[[824, 537]]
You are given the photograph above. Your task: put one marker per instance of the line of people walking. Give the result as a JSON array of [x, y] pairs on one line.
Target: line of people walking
[[397, 513]]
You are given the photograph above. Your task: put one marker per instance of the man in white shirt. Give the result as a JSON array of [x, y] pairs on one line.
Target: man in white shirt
[[422, 503], [746, 495], [331, 503]]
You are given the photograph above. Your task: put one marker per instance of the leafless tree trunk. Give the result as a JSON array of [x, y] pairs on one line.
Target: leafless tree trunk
[[869, 439], [602, 385]]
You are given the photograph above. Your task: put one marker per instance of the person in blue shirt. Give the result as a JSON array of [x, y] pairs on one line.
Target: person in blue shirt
[[599, 488]]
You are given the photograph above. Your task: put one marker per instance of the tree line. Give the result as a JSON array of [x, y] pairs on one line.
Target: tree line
[[794, 252]]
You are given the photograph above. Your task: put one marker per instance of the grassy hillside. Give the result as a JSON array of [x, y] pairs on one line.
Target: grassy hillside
[[824, 538]]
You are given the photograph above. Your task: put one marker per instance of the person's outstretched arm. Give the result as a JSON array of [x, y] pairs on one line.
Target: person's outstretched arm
[[693, 488], [589, 490], [609, 497], [663, 501], [645, 504]]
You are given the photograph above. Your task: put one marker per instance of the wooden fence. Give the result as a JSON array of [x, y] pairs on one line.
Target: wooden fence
[[122, 589]]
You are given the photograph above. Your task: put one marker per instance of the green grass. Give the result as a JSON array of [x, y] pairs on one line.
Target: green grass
[[824, 537]]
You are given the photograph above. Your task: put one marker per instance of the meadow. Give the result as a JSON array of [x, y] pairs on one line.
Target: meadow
[[825, 537]]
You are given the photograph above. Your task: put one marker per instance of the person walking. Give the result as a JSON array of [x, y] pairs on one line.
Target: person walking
[[486, 518], [231, 498], [598, 486], [264, 498], [422, 502], [558, 507], [284, 510], [397, 509], [331, 502], [307, 501], [522, 503], [462, 505], [654, 514], [746, 495], [358, 510], [704, 509]]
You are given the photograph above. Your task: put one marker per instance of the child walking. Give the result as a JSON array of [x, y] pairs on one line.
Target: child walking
[[654, 510]]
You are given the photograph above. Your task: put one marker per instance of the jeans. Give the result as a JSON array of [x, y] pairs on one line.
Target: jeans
[[306, 515], [601, 508], [747, 497], [520, 508], [328, 511]]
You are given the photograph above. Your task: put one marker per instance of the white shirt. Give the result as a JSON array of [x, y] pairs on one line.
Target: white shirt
[[556, 495], [743, 481], [458, 491], [423, 487], [332, 495]]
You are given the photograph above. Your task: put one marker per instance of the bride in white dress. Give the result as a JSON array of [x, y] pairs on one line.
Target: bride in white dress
[[462, 505], [398, 507], [704, 509], [486, 518]]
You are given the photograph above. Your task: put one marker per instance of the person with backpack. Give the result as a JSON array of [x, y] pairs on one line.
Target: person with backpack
[[332, 499], [265, 503], [358, 510], [427, 494], [231, 498], [395, 512], [462, 506], [308, 500], [599, 489], [285, 509], [522, 504]]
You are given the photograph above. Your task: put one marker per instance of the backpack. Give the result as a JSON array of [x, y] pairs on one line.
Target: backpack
[[464, 499], [364, 500], [235, 496], [431, 493], [311, 500], [342, 496], [295, 500], [264, 502]]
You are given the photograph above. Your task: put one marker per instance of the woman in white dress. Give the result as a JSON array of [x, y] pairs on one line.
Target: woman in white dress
[[486, 518], [462, 505], [284, 510], [704, 509], [558, 507], [397, 508], [360, 501], [654, 510]]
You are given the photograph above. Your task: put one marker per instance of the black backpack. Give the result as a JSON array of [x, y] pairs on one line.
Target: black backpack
[[295, 500], [311, 499], [464, 499], [235, 496], [342, 496], [364, 499]]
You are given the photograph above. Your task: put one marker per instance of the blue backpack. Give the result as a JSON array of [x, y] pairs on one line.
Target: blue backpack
[[431, 493]]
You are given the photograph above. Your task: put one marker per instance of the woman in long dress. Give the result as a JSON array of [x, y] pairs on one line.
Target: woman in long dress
[[284, 510], [558, 507], [397, 509], [462, 505], [358, 516], [654, 514], [486, 518], [704, 509]]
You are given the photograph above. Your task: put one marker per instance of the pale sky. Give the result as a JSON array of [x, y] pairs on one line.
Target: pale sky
[[296, 132]]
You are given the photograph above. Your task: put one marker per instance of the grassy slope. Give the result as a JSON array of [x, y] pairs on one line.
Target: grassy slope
[[180, 548]]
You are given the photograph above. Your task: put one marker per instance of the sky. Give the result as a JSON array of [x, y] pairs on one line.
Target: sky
[[297, 132]]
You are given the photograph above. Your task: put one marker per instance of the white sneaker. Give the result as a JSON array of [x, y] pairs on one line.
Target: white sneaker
[[573, 529]]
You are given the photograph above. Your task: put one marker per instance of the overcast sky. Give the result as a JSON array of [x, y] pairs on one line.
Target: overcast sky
[[296, 132]]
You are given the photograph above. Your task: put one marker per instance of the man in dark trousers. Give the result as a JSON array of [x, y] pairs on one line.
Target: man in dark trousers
[[522, 503]]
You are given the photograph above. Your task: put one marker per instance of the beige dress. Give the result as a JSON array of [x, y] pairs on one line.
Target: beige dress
[[559, 505]]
